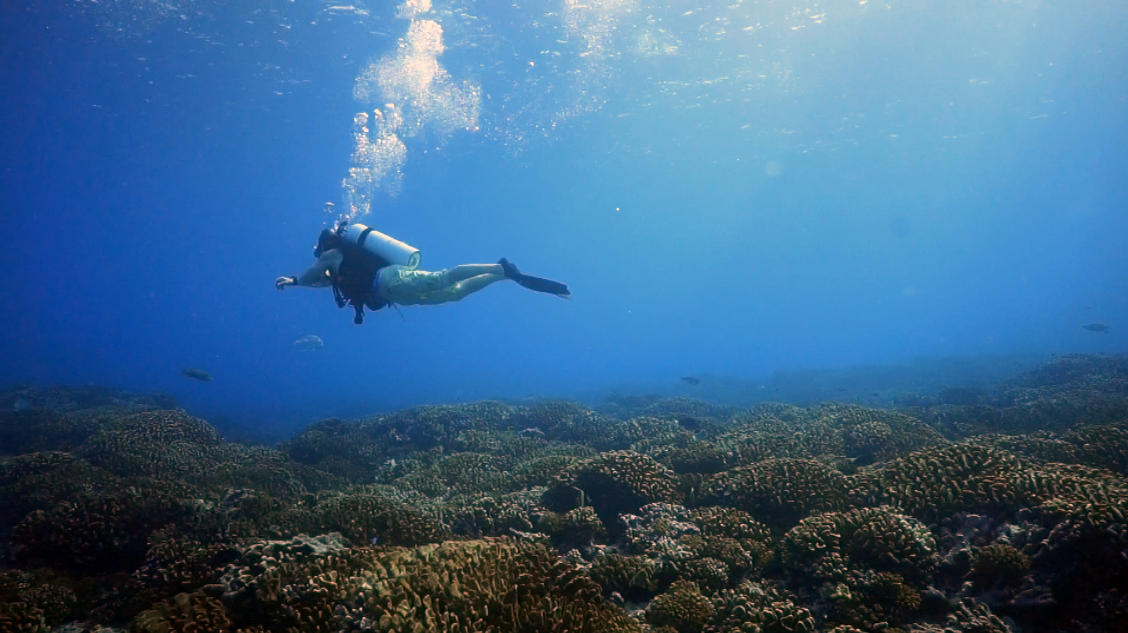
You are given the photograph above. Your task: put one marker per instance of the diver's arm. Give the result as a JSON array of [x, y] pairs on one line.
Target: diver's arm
[[316, 276]]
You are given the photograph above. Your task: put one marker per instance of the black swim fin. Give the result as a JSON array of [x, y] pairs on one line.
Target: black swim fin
[[537, 284], [540, 284]]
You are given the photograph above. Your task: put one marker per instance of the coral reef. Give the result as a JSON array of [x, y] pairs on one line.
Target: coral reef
[[614, 483], [778, 492], [681, 608], [999, 562], [970, 510], [482, 585], [829, 546], [758, 607]]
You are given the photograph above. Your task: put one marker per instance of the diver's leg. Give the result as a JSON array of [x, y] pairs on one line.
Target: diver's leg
[[419, 287], [469, 286], [460, 290], [466, 271]]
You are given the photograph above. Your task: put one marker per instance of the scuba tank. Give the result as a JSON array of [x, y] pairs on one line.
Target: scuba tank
[[388, 248]]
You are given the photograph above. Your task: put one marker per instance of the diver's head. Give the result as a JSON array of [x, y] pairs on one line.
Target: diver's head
[[327, 241]]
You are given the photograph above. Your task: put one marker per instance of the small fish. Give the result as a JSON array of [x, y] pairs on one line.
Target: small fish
[[1096, 327], [309, 343], [693, 380], [198, 374]]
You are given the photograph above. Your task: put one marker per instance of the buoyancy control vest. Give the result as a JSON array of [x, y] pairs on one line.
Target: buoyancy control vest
[[353, 283]]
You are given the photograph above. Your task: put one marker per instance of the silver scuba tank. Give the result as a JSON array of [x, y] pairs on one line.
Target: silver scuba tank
[[384, 246]]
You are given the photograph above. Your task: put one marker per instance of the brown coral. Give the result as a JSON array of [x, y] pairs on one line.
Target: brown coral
[[108, 531], [778, 492], [829, 546], [614, 483], [185, 613], [999, 561], [682, 608], [758, 607], [482, 585]]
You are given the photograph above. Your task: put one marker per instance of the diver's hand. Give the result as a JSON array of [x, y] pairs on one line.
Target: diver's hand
[[282, 282]]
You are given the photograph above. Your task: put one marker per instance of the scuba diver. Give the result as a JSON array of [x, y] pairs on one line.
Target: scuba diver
[[368, 269]]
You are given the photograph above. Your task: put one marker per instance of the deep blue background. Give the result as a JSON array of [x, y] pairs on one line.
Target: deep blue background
[[787, 188]]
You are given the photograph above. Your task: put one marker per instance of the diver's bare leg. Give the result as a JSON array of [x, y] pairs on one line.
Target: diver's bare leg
[[461, 290], [466, 271], [474, 284]]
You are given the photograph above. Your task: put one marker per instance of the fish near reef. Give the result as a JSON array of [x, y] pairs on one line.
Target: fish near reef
[[1096, 327], [693, 380], [198, 374]]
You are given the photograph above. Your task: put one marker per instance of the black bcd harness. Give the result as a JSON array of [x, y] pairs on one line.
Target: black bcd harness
[[353, 283]]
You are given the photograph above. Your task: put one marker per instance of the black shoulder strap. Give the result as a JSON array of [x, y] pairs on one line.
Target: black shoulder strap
[[363, 236]]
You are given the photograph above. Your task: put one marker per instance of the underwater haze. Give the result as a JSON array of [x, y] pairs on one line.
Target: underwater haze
[[730, 191]]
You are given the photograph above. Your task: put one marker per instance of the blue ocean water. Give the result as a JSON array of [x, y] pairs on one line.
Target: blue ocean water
[[729, 190]]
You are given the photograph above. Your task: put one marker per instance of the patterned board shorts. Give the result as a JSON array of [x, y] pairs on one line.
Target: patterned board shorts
[[399, 285]]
